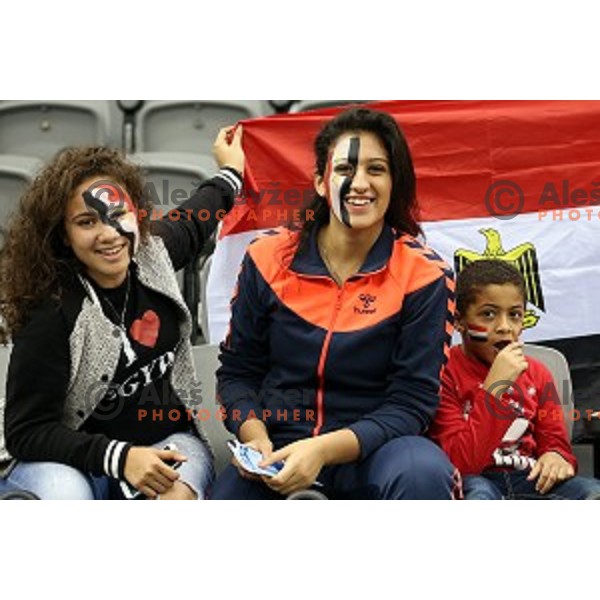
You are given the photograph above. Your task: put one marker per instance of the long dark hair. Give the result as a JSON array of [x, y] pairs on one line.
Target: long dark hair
[[403, 212], [34, 257]]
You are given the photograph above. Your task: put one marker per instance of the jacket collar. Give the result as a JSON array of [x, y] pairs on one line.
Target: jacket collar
[[309, 262], [152, 268]]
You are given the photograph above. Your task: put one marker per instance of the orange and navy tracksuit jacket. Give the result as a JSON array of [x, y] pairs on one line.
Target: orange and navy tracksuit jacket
[[308, 356]]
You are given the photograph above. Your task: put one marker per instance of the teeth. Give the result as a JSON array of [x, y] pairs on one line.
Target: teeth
[[356, 202], [111, 252]]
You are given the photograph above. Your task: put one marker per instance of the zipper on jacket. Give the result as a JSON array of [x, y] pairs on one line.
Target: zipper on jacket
[[322, 360]]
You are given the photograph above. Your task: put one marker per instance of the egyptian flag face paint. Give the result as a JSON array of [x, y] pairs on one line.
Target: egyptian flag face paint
[[339, 173], [477, 333], [115, 208]]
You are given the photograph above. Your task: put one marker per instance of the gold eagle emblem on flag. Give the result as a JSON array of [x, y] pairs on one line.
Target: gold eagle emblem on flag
[[523, 257]]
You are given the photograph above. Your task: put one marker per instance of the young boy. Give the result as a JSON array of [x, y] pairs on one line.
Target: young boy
[[499, 419]]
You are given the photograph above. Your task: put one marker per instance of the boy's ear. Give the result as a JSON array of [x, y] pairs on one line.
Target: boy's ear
[[458, 323]]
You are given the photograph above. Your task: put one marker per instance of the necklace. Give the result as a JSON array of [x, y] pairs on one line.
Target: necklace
[[334, 273], [120, 317], [129, 351]]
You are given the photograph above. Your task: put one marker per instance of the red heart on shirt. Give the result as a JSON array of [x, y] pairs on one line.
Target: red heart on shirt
[[145, 330]]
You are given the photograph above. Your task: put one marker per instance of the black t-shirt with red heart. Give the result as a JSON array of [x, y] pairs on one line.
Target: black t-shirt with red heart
[[141, 405]]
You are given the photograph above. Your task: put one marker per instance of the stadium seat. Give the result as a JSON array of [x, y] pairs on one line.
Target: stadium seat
[[18, 495], [190, 126], [206, 363], [557, 364], [172, 176], [41, 128], [128, 110], [587, 449], [204, 272], [282, 106], [4, 360], [170, 180], [12, 493], [304, 105], [16, 172]]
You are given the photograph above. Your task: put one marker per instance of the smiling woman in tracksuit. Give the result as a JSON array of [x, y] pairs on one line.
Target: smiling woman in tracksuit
[[339, 331]]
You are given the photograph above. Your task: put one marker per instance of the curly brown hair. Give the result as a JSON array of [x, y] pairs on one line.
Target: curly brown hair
[[34, 258]]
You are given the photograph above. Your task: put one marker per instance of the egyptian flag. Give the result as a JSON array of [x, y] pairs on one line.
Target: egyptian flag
[[514, 180]]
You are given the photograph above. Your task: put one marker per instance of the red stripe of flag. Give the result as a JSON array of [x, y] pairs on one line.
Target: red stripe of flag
[[548, 149]]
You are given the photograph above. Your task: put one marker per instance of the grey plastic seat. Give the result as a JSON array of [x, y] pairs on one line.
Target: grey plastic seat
[[40, 128], [190, 126], [4, 362], [557, 364], [171, 177], [304, 105], [206, 363], [16, 172], [204, 272]]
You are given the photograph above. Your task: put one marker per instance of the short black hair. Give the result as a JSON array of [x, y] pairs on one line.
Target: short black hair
[[481, 273]]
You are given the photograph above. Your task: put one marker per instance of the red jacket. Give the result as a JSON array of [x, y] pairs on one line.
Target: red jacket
[[474, 428]]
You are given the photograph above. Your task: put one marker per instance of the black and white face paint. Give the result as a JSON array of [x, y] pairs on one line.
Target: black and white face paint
[[337, 185], [114, 208]]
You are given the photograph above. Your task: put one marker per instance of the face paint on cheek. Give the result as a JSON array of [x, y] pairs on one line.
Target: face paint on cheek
[[128, 227], [107, 198], [333, 186], [338, 186], [476, 333]]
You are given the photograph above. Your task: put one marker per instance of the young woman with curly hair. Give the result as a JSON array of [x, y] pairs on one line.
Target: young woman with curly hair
[[100, 331]]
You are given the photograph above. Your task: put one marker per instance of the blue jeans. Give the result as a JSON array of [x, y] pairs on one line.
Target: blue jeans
[[409, 467], [56, 481], [513, 485]]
